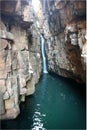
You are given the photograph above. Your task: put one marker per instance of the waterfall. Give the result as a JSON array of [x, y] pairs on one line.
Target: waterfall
[[43, 55]]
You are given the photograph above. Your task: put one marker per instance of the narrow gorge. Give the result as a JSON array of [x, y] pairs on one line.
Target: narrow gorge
[[43, 50]]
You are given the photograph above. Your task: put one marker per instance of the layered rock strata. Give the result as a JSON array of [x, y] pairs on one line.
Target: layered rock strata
[[20, 57], [63, 25], [64, 29]]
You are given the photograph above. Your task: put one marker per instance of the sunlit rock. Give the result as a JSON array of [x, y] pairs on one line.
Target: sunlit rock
[[6, 95], [18, 73]]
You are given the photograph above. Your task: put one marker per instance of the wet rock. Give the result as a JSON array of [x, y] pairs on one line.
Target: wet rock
[[30, 87], [11, 113], [2, 106]]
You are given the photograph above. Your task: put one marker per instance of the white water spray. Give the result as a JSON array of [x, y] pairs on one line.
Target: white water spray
[[43, 55]]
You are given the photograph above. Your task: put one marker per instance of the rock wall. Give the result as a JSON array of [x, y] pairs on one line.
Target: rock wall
[[20, 56], [64, 29], [63, 25]]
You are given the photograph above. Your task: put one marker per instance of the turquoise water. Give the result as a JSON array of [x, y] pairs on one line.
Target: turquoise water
[[58, 103]]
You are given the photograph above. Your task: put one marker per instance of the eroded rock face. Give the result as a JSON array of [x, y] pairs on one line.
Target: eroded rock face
[[20, 57], [65, 37], [62, 22]]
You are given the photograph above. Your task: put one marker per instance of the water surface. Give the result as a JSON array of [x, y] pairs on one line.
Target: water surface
[[58, 103]]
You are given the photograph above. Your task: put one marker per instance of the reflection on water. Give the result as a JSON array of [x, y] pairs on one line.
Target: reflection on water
[[58, 103], [37, 120]]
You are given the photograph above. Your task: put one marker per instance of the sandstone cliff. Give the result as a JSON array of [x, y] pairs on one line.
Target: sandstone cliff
[[64, 28], [20, 56], [63, 25]]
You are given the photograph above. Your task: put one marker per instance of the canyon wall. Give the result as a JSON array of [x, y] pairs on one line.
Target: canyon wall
[[64, 29], [20, 56], [63, 25]]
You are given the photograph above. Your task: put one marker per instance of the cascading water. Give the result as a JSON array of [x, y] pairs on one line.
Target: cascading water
[[43, 55]]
